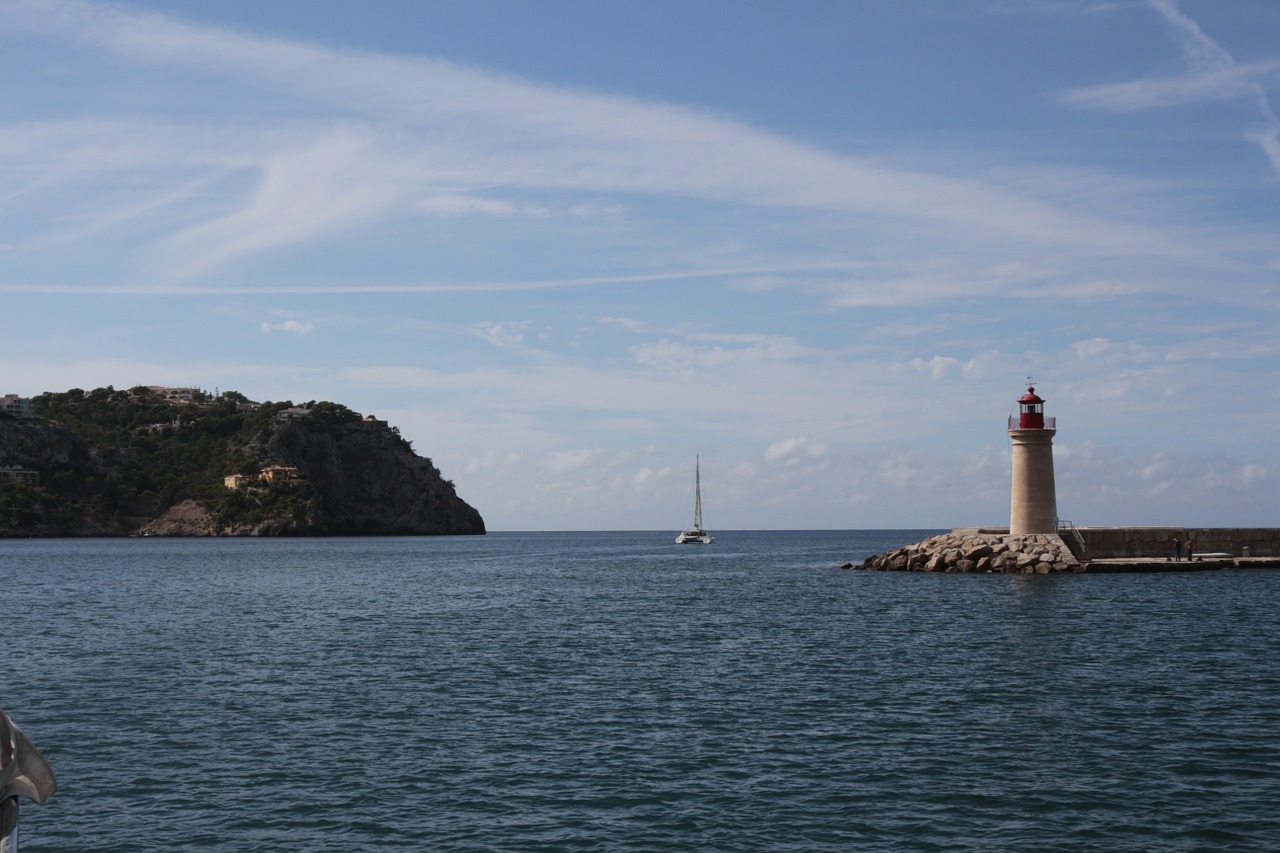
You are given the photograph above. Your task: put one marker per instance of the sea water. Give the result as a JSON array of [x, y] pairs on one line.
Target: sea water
[[615, 691]]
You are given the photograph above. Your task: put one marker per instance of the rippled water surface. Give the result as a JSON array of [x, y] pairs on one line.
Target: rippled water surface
[[595, 691]]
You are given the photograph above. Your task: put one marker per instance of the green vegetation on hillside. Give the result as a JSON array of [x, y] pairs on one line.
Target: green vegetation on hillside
[[135, 455], [22, 506]]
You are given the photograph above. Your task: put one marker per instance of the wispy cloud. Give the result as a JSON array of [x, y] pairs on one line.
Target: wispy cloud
[[714, 350], [159, 286], [359, 137], [334, 183], [1213, 75], [1213, 84]]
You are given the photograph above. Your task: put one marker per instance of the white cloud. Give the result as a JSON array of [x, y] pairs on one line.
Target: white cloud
[[570, 461], [1252, 475], [292, 326], [937, 367], [942, 366], [458, 205], [1091, 348], [633, 325], [793, 450], [902, 470], [597, 209], [504, 334], [1156, 469]]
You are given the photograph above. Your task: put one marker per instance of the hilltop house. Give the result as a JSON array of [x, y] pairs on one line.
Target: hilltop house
[[17, 406], [176, 396], [279, 473], [270, 474]]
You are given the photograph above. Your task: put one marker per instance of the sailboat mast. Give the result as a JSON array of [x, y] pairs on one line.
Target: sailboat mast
[[697, 493]]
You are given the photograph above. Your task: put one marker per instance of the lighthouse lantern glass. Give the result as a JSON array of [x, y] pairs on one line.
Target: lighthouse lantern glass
[[1031, 416]]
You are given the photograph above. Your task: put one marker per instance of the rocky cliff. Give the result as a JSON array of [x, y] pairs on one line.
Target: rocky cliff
[[366, 480], [35, 443]]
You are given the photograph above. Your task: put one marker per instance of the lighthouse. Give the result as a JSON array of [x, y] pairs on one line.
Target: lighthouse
[[1033, 502]]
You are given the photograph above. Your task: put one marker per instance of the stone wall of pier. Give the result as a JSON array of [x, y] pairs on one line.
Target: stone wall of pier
[[1111, 542]]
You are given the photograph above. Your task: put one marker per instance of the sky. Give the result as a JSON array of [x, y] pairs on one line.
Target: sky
[[570, 247]]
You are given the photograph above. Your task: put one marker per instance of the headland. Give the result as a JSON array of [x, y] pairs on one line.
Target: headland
[[168, 461]]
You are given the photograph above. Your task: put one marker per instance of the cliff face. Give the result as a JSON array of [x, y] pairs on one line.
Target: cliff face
[[35, 444], [366, 480]]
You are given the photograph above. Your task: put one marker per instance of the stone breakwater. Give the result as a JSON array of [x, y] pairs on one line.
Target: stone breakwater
[[1035, 553]]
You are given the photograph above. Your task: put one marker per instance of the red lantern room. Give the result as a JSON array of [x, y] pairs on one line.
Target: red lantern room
[[1030, 410]]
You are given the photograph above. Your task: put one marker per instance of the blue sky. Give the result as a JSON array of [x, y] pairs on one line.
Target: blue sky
[[568, 246]]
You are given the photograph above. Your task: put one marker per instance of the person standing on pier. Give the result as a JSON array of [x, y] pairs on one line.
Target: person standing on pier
[[1177, 549], [1191, 547]]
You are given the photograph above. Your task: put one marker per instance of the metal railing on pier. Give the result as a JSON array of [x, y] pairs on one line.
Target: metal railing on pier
[[1072, 536]]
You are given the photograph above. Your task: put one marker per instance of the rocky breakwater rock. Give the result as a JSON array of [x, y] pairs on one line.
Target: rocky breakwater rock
[[967, 551]]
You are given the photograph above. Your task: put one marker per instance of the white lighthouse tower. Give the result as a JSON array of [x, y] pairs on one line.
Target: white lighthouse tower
[[1033, 501]]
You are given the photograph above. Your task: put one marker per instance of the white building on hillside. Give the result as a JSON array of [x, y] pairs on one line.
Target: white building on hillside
[[15, 405]]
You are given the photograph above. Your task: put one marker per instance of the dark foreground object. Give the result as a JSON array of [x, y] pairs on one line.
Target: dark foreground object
[[23, 773]]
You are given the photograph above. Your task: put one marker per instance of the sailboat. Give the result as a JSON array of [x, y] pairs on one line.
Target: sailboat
[[696, 535]]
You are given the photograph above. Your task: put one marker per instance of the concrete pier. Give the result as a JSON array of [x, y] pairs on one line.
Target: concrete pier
[[1150, 549], [1119, 565], [1151, 542]]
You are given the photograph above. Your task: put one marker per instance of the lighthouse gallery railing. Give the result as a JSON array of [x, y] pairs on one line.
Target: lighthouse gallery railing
[[1049, 423]]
